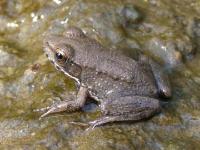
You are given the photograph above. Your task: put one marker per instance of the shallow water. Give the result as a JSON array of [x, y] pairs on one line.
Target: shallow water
[[168, 31]]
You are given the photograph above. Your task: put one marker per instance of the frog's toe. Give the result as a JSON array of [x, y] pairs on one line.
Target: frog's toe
[[41, 109], [65, 106], [102, 121], [50, 111]]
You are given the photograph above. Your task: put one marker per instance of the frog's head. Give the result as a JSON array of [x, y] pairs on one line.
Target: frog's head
[[61, 53]]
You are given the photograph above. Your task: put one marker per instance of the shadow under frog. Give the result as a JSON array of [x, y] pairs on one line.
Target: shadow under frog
[[127, 90]]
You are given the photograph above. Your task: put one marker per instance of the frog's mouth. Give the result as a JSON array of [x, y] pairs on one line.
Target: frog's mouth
[[50, 54]]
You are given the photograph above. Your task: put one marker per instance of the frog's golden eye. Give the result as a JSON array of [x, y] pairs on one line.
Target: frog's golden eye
[[63, 53], [60, 57]]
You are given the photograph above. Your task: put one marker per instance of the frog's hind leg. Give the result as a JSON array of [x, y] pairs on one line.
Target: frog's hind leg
[[129, 108], [161, 78], [69, 106]]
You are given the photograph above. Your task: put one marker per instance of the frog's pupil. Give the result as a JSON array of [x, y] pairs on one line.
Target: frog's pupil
[[59, 56]]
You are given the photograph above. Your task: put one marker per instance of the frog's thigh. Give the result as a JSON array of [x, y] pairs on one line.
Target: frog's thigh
[[130, 108], [161, 78]]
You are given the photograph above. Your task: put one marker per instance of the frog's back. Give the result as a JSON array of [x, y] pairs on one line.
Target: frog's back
[[102, 86]]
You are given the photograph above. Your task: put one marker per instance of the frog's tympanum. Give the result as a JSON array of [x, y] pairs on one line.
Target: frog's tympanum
[[126, 89]]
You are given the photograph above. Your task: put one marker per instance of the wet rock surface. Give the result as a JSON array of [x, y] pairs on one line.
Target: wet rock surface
[[166, 30]]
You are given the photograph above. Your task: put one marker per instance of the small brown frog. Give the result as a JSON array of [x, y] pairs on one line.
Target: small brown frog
[[126, 89]]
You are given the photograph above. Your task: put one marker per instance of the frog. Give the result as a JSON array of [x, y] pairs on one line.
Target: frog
[[126, 89]]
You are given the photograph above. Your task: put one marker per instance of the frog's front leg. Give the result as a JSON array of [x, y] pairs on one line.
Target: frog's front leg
[[129, 108], [161, 78], [69, 106]]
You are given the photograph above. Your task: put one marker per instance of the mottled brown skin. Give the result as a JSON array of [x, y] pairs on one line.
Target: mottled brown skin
[[126, 89]]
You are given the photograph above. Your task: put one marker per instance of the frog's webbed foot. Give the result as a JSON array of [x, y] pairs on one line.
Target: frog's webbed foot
[[129, 108], [68, 106]]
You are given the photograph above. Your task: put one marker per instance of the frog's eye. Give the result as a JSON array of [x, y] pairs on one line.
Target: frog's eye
[[63, 54], [59, 56]]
